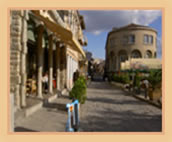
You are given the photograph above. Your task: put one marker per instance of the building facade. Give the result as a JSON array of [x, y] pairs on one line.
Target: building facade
[[131, 41], [44, 41]]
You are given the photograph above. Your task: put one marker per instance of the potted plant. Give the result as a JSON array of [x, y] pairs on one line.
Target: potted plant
[[155, 78], [79, 90]]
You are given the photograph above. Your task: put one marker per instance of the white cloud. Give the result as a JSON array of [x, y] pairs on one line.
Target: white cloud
[[98, 21], [97, 32]]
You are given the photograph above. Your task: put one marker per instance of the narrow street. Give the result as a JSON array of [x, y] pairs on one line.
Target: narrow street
[[107, 108], [110, 109]]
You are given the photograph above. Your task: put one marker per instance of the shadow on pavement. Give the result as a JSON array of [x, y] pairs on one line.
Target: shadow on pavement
[[101, 85], [22, 129], [111, 101], [125, 121], [61, 107]]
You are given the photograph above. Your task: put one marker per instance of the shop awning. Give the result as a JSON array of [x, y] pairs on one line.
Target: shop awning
[[62, 33]]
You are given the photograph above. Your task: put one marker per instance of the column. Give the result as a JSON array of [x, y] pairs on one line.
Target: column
[[23, 60], [63, 74], [68, 78], [39, 60], [50, 63], [58, 65], [70, 72], [65, 68]]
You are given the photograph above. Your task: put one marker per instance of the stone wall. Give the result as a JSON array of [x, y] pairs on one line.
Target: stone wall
[[18, 50]]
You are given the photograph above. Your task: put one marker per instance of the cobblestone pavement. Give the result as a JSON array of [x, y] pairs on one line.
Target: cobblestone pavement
[[106, 109], [51, 118], [109, 109]]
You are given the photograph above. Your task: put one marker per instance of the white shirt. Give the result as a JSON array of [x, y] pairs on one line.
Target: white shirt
[[45, 78], [146, 82]]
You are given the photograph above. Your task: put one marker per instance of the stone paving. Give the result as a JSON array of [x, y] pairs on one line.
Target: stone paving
[[109, 109], [51, 118]]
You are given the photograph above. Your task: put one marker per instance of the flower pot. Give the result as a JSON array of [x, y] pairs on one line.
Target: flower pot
[[150, 94]]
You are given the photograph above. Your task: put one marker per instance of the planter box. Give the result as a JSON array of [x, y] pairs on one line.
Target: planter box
[[155, 94]]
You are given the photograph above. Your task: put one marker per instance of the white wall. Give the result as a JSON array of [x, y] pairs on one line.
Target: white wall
[[72, 66]]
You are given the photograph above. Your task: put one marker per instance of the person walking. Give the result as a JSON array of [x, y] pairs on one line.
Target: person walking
[[145, 83], [45, 82]]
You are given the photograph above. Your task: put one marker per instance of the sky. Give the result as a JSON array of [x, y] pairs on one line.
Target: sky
[[100, 22]]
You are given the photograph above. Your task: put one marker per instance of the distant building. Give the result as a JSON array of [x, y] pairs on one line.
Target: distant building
[[128, 42], [88, 55], [98, 66]]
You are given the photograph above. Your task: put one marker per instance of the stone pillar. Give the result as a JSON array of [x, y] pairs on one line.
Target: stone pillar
[[23, 59], [40, 29], [65, 67], [15, 56], [58, 65], [67, 71], [50, 64], [70, 70]]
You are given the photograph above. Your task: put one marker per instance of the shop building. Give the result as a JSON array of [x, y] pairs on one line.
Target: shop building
[[44, 41]]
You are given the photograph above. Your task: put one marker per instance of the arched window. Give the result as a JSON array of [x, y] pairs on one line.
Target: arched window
[[148, 54], [136, 54], [122, 55]]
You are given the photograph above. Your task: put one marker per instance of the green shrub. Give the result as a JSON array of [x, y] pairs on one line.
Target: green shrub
[[126, 78], [79, 90], [155, 77], [137, 80], [122, 78]]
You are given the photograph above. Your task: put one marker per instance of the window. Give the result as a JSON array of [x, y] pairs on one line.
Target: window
[[148, 39], [129, 39], [123, 56], [136, 54], [151, 39], [112, 42], [148, 54]]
